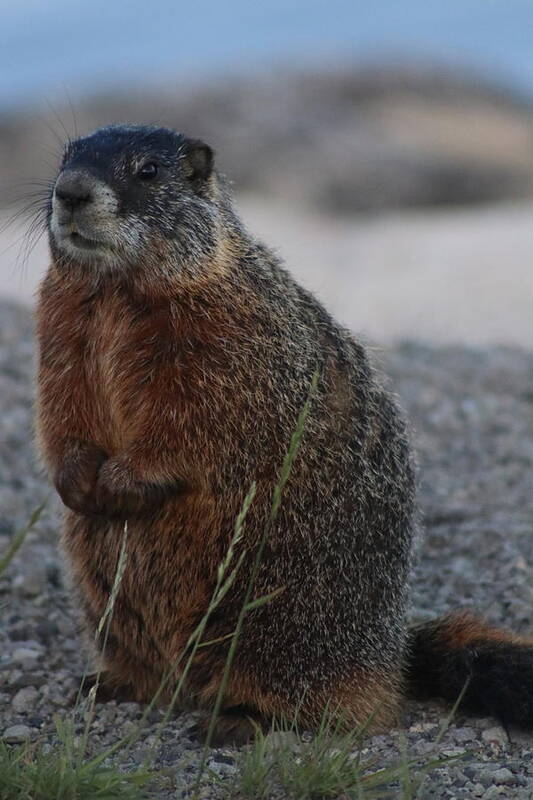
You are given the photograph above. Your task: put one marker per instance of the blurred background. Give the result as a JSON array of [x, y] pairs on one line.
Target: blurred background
[[385, 148]]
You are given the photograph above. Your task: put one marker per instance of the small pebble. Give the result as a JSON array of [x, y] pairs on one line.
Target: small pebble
[[494, 792], [16, 733], [277, 740], [495, 735], [503, 775], [464, 734], [25, 700], [25, 657]]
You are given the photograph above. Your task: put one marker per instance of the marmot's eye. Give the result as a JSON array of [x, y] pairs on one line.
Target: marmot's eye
[[148, 171]]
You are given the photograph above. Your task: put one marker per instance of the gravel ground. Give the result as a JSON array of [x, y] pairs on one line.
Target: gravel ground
[[472, 411]]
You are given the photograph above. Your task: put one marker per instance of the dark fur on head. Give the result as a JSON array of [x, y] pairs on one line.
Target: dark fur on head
[[129, 198]]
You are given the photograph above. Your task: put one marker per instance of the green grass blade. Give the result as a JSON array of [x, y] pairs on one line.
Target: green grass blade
[[18, 539]]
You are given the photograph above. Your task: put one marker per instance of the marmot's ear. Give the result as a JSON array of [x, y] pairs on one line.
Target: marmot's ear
[[198, 160]]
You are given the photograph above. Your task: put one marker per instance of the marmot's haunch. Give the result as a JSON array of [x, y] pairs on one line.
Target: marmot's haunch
[[175, 356]]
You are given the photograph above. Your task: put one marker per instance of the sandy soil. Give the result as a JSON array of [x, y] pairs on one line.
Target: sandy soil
[[462, 275]]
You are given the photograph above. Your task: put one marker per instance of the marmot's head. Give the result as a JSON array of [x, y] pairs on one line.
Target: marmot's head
[[128, 197]]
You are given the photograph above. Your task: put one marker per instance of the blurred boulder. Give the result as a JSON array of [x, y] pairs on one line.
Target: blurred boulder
[[341, 140]]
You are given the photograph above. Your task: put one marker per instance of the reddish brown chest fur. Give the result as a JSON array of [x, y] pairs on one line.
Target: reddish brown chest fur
[[125, 370], [147, 381], [122, 347]]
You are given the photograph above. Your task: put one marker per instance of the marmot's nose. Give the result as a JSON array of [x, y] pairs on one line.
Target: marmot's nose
[[73, 189]]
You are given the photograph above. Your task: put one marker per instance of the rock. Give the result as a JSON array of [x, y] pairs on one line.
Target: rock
[[47, 630], [25, 700], [504, 775], [495, 735], [16, 733], [131, 709], [280, 740], [32, 582], [464, 734], [220, 758], [19, 679], [58, 697], [452, 752], [129, 728], [423, 727], [222, 765], [27, 658], [14, 677], [494, 792], [528, 761]]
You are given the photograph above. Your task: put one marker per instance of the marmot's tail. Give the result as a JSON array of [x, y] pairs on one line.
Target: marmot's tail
[[460, 650]]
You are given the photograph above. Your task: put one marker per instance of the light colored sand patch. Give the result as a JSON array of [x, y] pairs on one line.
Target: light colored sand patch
[[444, 276]]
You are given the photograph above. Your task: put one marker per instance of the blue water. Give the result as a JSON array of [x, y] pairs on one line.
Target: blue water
[[58, 47]]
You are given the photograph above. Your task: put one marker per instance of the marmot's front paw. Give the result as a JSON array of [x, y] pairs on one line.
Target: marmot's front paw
[[76, 478], [120, 493]]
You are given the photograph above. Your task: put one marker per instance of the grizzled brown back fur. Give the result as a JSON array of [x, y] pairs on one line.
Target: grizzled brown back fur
[[175, 356]]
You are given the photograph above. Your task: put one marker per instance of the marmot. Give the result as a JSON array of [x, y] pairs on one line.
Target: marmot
[[175, 354]]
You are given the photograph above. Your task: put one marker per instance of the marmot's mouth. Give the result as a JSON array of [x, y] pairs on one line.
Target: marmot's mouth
[[82, 241]]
